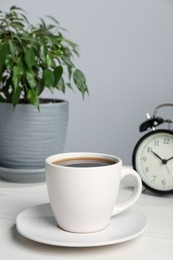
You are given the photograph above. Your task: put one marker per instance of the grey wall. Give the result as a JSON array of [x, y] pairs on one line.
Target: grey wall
[[127, 55]]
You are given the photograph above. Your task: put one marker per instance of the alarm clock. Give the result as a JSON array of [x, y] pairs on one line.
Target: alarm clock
[[152, 156]]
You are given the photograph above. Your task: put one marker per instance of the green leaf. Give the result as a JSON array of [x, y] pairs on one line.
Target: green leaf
[[25, 18], [9, 62], [68, 84], [16, 77], [31, 79], [48, 60], [30, 58], [61, 85], [33, 97], [43, 23], [21, 67], [72, 44], [58, 71], [18, 40], [14, 7], [40, 87], [2, 99], [13, 48], [7, 89], [18, 69], [53, 19], [48, 78], [4, 52], [16, 96], [43, 52], [17, 25], [80, 81]]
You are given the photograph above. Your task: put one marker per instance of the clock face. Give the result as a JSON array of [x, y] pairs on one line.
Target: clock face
[[153, 160]]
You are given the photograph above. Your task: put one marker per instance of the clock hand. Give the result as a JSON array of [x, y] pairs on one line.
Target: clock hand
[[157, 156], [168, 169], [169, 159], [164, 161]]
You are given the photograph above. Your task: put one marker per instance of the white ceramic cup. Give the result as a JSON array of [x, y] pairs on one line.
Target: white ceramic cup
[[83, 199]]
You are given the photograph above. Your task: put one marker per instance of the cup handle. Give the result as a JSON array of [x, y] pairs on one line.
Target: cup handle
[[135, 194]]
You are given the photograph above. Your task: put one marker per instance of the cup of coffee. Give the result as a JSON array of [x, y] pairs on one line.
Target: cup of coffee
[[83, 189]]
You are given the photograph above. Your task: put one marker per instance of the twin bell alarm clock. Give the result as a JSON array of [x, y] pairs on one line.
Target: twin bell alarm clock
[[152, 156]]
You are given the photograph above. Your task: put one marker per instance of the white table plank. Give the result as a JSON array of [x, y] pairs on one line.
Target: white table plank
[[155, 243]]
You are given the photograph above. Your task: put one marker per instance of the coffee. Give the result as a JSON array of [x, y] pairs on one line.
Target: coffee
[[84, 162]]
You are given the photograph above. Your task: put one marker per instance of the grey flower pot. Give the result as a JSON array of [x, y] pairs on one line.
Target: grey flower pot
[[27, 137]]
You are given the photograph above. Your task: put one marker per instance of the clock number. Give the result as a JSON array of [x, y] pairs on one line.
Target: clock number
[[144, 158], [163, 182], [146, 169], [166, 140], [156, 142], [154, 177], [149, 149]]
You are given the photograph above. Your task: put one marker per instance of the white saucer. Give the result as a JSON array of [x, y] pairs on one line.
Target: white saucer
[[38, 224]]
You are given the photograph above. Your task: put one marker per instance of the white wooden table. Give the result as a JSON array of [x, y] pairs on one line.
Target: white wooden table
[[155, 243]]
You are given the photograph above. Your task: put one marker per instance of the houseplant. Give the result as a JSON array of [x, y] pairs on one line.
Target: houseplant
[[32, 59]]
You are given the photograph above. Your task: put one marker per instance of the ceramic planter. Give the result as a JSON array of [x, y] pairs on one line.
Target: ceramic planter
[[27, 137]]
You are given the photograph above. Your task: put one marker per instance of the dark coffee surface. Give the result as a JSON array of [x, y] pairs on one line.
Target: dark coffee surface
[[85, 162]]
